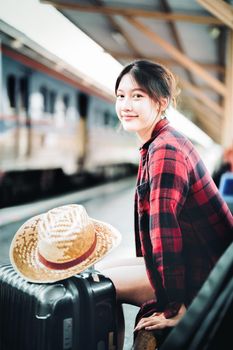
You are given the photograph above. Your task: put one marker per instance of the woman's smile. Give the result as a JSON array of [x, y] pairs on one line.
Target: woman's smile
[[135, 109], [128, 117]]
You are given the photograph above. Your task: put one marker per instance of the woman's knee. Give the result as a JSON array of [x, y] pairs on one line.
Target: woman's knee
[[131, 283]]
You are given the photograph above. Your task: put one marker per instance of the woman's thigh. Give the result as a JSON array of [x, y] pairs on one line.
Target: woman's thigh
[[106, 264], [131, 281]]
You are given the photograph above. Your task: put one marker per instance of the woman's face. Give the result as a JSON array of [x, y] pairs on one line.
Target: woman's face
[[135, 109]]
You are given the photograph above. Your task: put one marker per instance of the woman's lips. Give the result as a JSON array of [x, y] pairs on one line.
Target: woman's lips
[[128, 117]]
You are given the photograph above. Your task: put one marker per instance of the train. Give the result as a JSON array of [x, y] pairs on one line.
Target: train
[[58, 127]]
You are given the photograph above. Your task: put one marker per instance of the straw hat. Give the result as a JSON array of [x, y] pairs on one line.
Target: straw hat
[[60, 243]]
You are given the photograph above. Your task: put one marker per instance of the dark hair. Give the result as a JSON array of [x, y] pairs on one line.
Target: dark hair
[[154, 78]]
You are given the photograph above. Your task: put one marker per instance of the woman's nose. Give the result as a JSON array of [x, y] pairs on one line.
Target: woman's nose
[[127, 104]]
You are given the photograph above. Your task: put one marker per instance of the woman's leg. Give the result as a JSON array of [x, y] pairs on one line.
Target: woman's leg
[[107, 264], [132, 287]]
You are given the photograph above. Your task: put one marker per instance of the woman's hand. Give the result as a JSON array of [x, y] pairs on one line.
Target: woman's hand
[[158, 320]]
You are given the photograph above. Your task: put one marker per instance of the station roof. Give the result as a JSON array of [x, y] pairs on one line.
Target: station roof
[[188, 36]]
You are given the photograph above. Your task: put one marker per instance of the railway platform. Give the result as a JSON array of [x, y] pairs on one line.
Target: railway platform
[[112, 203]]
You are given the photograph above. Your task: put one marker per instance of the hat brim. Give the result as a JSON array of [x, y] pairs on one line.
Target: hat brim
[[24, 257]]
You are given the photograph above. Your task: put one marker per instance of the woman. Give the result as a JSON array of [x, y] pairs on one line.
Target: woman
[[182, 225]]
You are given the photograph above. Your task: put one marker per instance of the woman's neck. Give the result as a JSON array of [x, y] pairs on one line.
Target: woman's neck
[[144, 135]]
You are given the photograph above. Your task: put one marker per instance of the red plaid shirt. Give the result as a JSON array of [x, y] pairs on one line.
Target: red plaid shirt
[[182, 225]]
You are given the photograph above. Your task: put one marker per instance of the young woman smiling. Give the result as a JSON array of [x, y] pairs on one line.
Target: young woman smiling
[[182, 225]]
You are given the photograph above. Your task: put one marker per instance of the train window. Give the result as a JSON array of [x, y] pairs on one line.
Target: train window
[[44, 93], [66, 101], [52, 100], [106, 118], [114, 120], [23, 86], [82, 105], [11, 89]]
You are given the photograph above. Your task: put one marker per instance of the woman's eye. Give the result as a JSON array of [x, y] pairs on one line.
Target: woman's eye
[[137, 96], [120, 96]]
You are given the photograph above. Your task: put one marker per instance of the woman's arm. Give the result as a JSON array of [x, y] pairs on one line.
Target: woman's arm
[[169, 184]]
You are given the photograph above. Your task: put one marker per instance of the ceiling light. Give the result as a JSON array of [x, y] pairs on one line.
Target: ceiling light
[[16, 44], [214, 32]]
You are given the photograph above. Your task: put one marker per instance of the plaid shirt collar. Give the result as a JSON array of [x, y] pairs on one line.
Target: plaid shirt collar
[[157, 129]]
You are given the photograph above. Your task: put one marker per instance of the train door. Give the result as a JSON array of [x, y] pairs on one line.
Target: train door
[[82, 133], [11, 92], [25, 124], [18, 95]]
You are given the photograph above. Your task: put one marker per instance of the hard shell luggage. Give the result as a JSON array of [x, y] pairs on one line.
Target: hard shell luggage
[[74, 314]]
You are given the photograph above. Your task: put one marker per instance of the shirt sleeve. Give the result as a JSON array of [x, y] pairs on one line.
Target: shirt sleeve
[[168, 177]]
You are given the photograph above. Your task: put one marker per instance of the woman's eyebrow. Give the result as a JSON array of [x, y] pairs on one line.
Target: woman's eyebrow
[[133, 90], [138, 89]]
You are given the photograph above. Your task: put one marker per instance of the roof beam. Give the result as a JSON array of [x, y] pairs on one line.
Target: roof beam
[[132, 11], [207, 126], [166, 61], [210, 125], [115, 27], [220, 9], [177, 55], [202, 97], [175, 35], [125, 35]]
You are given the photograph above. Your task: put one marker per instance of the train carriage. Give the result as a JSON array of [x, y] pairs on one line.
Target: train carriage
[[54, 120]]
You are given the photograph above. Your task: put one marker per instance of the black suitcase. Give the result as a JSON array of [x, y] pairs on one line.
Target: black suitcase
[[74, 314]]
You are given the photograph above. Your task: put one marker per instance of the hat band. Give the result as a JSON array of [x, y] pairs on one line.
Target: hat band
[[66, 265]]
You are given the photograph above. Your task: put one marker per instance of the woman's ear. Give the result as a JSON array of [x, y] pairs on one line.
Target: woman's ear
[[164, 102]]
